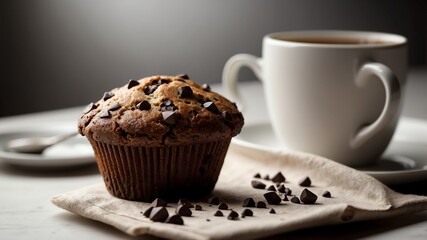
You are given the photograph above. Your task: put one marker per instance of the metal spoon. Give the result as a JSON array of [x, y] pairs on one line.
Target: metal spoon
[[35, 145]]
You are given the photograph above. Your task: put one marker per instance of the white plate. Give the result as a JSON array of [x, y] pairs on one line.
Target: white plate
[[404, 161], [72, 152]]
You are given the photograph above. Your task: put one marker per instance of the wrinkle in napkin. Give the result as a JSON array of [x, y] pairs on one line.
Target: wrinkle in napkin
[[355, 197]]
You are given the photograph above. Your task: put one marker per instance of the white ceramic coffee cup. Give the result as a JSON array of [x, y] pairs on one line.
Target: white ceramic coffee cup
[[332, 93]]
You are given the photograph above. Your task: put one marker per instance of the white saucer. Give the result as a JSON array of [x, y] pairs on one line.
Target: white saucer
[[72, 152], [404, 161]]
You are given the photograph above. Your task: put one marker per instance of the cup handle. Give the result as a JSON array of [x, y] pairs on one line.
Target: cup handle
[[392, 99], [231, 70]]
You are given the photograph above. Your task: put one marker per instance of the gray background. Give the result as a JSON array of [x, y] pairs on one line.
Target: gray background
[[57, 54]]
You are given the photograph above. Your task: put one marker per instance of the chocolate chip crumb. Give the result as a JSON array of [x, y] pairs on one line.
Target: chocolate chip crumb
[[308, 197], [272, 211], [281, 188], [143, 105], [233, 215], [271, 188], [248, 202], [198, 207], [261, 204], [169, 117], [223, 206], [211, 107], [107, 95], [247, 212], [295, 199], [175, 219], [278, 178], [326, 194], [114, 107], [183, 210], [258, 185], [147, 212], [105, 114], [185, 202], [208, 220], [285, 198], [206, 87], [185, 92], [305, 182], [218, 214], [158, 202], [132, 83], [272, 198], [257, 175], [213, 200], [183, 76], [159, 214], [90, 107]]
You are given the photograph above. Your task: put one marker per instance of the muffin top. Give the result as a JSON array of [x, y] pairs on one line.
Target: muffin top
[[159, 111]]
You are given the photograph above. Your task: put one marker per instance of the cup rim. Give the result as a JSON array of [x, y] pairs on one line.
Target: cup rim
[[388, 40]]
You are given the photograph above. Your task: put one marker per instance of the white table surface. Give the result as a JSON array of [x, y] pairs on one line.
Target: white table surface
[[27, 213]]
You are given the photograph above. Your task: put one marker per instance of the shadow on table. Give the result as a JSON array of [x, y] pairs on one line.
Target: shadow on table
[[74, 171]]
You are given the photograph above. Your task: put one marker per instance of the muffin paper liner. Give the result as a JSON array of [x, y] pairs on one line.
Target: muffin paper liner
[[170, 172]]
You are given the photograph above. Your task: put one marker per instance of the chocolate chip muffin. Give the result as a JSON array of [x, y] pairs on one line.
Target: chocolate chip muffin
[[160, 136]]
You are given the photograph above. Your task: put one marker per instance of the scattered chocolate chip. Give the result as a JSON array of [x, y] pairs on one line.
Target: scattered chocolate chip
[[143, 105], [272, 211], [271, 188], [261, 204], [257, 175], [175, 219], [114, 107], [206, 87], [185, 92], [278, 177], [213, 200], [288, 191], [295, 199], [223, 206], [147, 212], [211, 107], [226, 116], [107, 95], [247, 212], [233, 215], [198, 207], [159, 214], [158, 202], [286, 198], [105, 114], [132, 83], [266, 177], [185, 202], [208, 220], [272, 198], [218, 214], [326, 194], [258, 185], [248, 202], [149, 89], [90, 107], [281, 188], [183, 76], [183, 210], [169, 117], [306, 182], [308, 197]]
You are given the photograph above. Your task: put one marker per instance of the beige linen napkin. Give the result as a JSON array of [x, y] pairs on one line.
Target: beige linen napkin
[[355, 197]]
